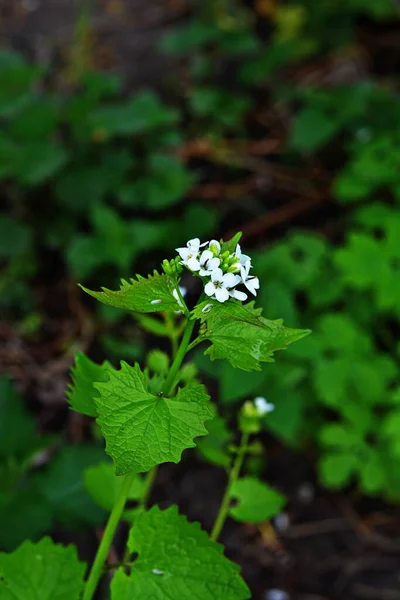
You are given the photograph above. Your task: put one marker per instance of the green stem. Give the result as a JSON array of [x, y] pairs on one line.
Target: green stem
[[180, 355], [233, 475], [106, 541]]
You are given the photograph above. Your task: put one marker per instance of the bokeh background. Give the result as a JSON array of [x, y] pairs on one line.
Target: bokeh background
[[128, 127]]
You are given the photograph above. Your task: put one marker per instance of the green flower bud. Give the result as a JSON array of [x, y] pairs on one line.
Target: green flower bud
[[249, 418], [166, 267], [158, 362]]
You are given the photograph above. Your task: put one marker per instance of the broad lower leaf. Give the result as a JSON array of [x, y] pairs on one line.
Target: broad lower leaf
[[141, 429], [81, 392], [178, 561], [44, 570], [257, 501], [103, 485], [141, 295], [241, 335]]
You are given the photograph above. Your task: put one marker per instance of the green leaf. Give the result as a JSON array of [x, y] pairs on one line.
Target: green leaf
[[15, 237], [24, 514], [213, 447], [44, 570], [312, 129], [336, 469], [178, 561], [81, 392], [336, 435], [61, 483], [38, 161], [372, 474], [104, 486], [142, 430], [17, 427], [141, 295], [241, 335], [235, 384], [257, 501], [230, 245]]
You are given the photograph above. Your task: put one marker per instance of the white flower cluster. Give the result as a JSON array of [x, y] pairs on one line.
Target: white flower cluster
[[226, 271]]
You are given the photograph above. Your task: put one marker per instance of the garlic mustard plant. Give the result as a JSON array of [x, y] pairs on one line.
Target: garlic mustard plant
[[150, 416], [222, 272]]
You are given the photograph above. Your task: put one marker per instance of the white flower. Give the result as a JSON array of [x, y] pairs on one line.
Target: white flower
[[243, 258], [252, 283], [190, 254], [263, 406], [208, 263], [220, 284]]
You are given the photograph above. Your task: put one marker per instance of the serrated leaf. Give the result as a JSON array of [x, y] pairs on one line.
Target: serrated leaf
[[153, 294], [143, 430], [44, 570], [81, 392], [257, 501], [17, 427], [103, 485], [241, 335], [61, 483], [178, 561]]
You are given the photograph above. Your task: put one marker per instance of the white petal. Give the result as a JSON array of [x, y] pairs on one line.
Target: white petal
[[229, 280], [252, 285], [216, 275], [182, 290], [204, 272], [263, 406], [205, 255], [238, 251], [184, 253], [213, 264], [209, 289], [238, 295], [245, 260], [221, 294], [244, 271], [194, 244], [193, 264], [203, 244]]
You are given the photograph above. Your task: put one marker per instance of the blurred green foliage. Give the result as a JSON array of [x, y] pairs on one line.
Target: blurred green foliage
[[93, 182]]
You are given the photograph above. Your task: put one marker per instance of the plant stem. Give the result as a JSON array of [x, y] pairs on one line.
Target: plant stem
[[180, 355], [108, 535], [233, 475]]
